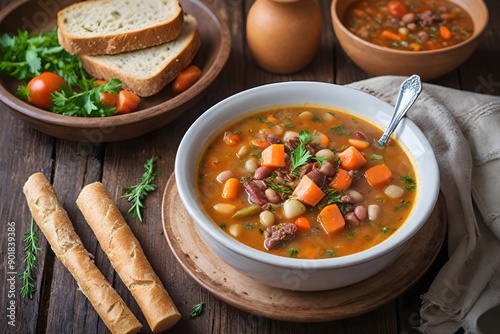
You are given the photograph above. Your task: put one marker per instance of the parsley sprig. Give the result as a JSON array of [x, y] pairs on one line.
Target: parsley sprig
[[86, 103], [30, 249], [300, 155], [25, 56], [136, 194]]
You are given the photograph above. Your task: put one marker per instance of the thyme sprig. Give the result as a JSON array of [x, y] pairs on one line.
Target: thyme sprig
[[31, 247], [197, 310], [136, 194]]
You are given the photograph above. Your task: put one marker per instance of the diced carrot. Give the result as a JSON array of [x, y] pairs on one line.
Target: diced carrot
[[324, 141], [231, 188], [358, 12], [273, 119], [378, 175], [397, 9], [273, 156], [231, 138], [303, 224], [445, 32], [341, 180], [331, 219], [415, 46], [390, 36], [351, 158], [448, 16], [308, 192], [360, 144], [260, 143]]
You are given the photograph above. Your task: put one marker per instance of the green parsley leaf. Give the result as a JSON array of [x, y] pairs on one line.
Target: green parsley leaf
[[300, 155], [410, 183], [197, 310], [292, 252]]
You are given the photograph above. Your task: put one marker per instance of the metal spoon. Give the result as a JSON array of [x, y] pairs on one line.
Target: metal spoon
[[408, 93]]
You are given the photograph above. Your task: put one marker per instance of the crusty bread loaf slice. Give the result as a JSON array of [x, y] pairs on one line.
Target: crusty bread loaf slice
[[145, 72], [113, 26]]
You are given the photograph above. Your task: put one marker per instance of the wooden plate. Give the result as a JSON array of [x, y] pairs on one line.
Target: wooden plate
[[153, 112], [244, 293]]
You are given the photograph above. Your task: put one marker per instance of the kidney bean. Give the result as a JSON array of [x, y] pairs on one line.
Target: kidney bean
[[408, 18], [273, 138], [272, 196], [262, 172], [327, 168], [360, 212], [351, 219]]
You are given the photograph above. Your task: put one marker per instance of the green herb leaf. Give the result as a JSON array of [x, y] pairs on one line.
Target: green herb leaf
[[136, 194], [86, 103], [30, 249], [292, 252], [197, 310], [300, 155], [410, 183]]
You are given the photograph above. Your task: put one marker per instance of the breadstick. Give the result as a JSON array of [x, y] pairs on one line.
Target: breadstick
[[54, 222], [127, 257]]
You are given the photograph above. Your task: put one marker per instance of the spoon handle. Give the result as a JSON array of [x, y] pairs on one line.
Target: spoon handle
[[408, 93]]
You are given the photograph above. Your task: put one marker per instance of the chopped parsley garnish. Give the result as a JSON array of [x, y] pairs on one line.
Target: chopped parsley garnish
[[293, 252], [340, 130], [223, 226], [280, 188], [329, 252], [410, 183], [402, 205], [248, 226], [387, 229]]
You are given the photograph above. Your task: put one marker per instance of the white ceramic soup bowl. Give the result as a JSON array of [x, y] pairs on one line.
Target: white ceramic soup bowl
[[294, 273]]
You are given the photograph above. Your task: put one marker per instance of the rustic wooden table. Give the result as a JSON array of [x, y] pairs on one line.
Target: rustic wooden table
[[59, 307]]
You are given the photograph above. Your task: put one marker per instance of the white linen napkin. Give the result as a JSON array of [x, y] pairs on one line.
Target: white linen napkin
[[464, 131]]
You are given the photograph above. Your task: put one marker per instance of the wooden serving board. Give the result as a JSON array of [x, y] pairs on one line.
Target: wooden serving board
[[242, 292]]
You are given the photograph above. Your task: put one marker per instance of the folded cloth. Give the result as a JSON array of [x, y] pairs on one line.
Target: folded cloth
[[464, 131]]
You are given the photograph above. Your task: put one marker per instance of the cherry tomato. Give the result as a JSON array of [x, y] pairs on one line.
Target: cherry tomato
[[108, 99], [186, 79], [126, 102], [397, 9], [42, 86]]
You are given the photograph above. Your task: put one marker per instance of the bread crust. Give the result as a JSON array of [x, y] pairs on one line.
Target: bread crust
[[114, 43], [145, 86], [127, 257], [56, 226]]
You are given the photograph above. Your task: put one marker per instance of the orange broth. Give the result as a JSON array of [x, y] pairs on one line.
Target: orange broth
[[244, 141], [411, 25]]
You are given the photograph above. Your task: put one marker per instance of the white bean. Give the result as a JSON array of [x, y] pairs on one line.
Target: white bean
[[235, 230], [394, 191], [373, 211], [328, 117], [293, 208], [355, 195], [224, 176], [251, 165], [327, 154], [306, 115], [224, 208], [266, 218], [243, 151], [290, 134]]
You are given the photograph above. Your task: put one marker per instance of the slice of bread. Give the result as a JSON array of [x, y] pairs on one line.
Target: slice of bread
[[145, 72], [96, 27]]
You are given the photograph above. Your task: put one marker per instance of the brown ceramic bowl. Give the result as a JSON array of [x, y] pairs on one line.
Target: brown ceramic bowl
[[153, 112], [378, 60]]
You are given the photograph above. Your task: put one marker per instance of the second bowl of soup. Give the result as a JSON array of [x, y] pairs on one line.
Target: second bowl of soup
[[287, 178]]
